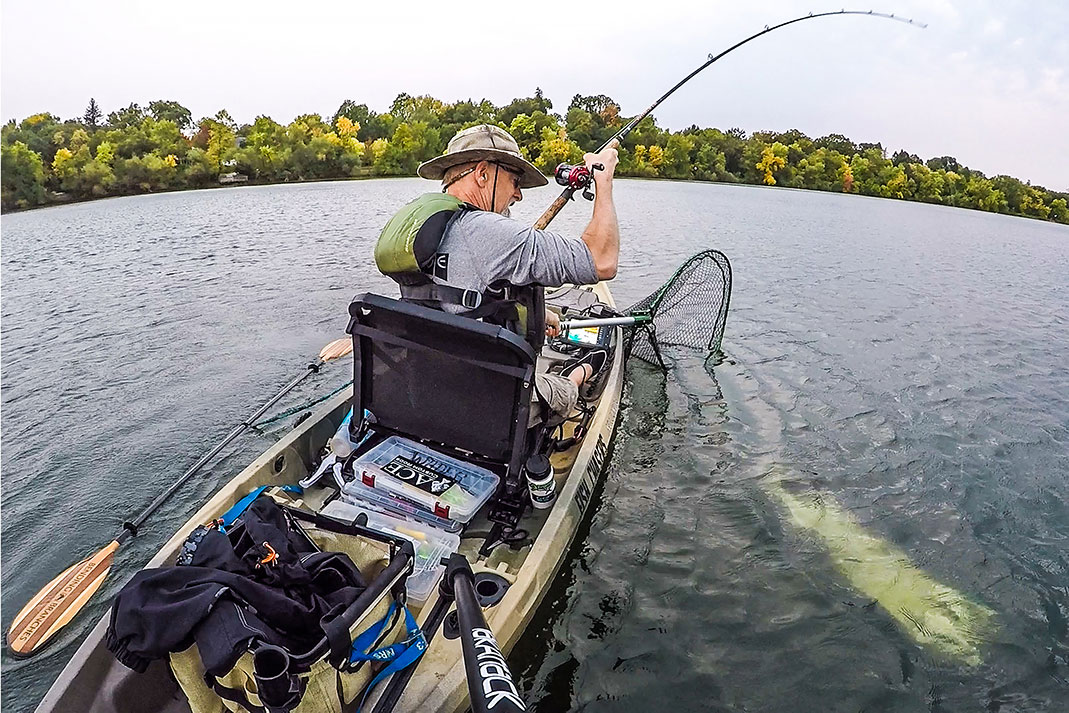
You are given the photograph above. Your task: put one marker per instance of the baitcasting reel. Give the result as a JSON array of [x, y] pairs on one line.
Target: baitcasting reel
[[577, 178]]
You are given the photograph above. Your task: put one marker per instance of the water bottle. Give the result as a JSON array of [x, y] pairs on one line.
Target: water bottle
[[540, 482], [341, 443]]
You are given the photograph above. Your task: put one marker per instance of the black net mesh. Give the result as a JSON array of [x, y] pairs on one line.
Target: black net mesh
[[688, 311]]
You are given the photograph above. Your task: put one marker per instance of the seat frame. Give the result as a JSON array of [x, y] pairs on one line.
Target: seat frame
[[374, 324]]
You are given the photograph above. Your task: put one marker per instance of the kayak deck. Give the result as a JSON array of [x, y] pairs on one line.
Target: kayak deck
[[95, 682]]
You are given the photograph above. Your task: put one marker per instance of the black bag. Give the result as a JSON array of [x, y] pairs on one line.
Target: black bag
[[257, 612]]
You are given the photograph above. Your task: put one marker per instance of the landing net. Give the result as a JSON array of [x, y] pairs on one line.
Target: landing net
[[688, 311]]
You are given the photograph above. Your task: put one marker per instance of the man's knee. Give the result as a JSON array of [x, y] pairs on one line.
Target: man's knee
[[558, 393]]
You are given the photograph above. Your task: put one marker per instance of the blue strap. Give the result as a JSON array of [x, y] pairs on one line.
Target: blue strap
[[366, 639], [399, 655], [242, 505]]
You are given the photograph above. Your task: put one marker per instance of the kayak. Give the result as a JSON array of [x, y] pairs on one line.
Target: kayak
[[95, 682]]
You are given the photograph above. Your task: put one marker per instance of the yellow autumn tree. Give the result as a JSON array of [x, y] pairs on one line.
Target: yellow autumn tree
[[656, 156], [347, 128], [773, 158], [847, 175]]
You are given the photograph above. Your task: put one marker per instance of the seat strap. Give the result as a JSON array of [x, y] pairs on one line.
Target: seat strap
[[443, 294], [233, 695]]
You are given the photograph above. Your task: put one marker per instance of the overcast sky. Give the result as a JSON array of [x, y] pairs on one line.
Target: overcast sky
[[987, 82]]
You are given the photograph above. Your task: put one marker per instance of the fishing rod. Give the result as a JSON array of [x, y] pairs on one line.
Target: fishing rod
[[57, 602], [576, 178]]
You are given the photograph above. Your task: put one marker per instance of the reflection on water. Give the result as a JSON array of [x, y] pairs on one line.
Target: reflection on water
[[862, 508]]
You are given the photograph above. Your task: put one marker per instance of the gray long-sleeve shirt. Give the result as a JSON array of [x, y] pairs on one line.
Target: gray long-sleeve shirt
[[480, 248]]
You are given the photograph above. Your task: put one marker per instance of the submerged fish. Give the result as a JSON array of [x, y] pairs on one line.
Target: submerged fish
[[932, 613]]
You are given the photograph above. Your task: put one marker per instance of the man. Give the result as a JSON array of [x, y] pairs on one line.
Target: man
[[477, 247]]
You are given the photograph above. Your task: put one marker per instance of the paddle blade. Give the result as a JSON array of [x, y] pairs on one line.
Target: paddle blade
[[336, 349], [689, 311], [57, 603]]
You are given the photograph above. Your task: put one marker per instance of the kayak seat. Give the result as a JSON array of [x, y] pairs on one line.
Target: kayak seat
[[428, 375]]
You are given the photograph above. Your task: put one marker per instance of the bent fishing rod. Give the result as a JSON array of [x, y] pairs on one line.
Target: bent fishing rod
[[576, 178]]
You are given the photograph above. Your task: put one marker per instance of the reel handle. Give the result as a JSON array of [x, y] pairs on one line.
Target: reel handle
[[577, 178]]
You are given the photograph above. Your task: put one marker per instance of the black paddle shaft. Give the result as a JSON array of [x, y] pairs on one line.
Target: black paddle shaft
[[130, 527], [490, 683]]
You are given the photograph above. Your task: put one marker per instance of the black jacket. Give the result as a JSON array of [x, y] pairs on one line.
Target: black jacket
[[225, 598]]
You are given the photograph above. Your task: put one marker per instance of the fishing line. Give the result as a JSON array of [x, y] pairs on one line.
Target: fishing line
[[570, 190]]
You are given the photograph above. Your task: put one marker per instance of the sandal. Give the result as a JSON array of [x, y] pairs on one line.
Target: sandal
[[595, 358]]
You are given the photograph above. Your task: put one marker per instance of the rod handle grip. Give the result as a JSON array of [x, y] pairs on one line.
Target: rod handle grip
[[554, 208]]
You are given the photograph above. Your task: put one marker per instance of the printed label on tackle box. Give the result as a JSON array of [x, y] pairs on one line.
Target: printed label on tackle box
[[440, 484], [418, 474]]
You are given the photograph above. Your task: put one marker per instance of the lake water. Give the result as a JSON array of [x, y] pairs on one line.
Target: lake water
[[863, 507]]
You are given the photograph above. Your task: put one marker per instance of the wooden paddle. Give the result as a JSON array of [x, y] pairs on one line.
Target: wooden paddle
[[61, 599]]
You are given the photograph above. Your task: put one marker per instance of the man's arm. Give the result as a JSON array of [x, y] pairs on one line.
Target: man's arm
[[602, 235]]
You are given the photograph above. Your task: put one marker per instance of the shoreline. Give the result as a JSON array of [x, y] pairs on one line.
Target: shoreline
[[250, 183]]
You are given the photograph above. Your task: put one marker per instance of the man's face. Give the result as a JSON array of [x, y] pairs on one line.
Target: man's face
[[508, 187]]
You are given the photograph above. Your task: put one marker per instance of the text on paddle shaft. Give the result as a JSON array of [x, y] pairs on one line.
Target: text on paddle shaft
[[495, 674]]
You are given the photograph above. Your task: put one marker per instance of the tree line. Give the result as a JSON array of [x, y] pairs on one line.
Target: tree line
[[159, 147]]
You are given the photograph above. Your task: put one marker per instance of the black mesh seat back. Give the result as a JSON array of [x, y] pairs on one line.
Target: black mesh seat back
[[432, 375]]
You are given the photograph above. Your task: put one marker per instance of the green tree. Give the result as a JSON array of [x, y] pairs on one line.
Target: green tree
[[556, 148], [537, 104], [944, 163], [372, 125], [127, 117], [172, 111], [38, 132], [1059, 210], [22, 176], [928, 184], [198, 168], [412, 109], [222, 144], [678, 161], [528, 131], [580, 126], [92, 115], [266, 154], [903, 157], [146, 173], [837, 142]]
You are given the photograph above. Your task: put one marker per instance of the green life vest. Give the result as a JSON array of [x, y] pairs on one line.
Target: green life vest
[[407, 246], [407, 251]]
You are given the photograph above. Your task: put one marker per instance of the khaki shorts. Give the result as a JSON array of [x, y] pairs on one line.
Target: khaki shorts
[[559, 392]]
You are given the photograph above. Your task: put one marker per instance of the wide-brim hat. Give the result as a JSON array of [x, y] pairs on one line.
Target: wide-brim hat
[[483, 143]]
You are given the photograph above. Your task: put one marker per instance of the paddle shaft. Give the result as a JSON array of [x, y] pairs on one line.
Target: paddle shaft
[[490, 683], [61, 599], [567, 193], [130, 528]]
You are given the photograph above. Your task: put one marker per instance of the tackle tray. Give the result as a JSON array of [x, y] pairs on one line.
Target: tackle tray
[[444, 486], [356, 493], [431, 544]]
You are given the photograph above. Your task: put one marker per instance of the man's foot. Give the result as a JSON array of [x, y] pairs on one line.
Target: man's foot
[[588, 365]]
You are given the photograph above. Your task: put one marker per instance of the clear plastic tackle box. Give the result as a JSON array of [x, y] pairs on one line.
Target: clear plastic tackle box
[[442, 485], [431, 544]]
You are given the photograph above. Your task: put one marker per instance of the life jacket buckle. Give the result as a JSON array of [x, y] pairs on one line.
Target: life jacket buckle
[[471, 299]]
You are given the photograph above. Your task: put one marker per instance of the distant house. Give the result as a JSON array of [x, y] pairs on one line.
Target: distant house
[[233, 178]]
